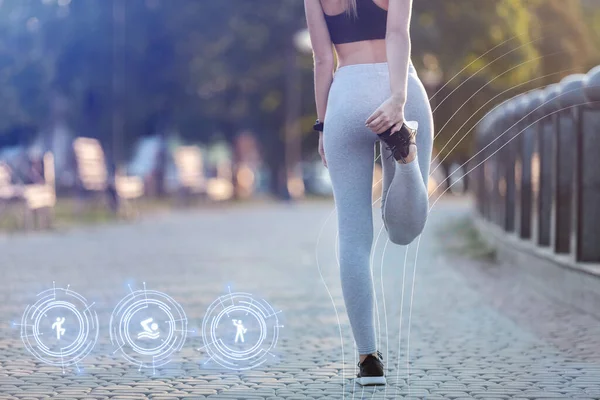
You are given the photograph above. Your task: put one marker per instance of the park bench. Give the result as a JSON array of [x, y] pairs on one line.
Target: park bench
[[30, 206], [92, 173]]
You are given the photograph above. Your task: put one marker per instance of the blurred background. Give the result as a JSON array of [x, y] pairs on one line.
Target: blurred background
[[110, 107], [115, 110]]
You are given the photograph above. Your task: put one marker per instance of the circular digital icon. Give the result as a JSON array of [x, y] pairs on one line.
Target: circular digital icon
[[60, 328], [239, 331], [148, 327]]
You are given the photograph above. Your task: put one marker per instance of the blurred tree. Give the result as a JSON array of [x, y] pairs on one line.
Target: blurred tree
[[235, 71], [489, 47], [134, 67], [25, 72], [564, 41], [591, 14], [482, 47]]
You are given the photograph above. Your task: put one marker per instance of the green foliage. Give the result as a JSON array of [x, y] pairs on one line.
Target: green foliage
[[496, 48], [562, 37]]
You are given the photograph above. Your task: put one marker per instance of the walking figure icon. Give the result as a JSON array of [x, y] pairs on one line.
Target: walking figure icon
[[60, 331], [240, 330]]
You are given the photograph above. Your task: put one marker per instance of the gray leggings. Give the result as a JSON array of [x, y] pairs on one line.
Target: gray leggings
[[357, 91]]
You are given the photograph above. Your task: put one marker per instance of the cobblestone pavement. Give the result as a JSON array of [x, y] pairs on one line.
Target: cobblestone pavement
[[474, 330]]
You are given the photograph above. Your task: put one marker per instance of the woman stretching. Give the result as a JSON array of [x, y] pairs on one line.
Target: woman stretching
[[373, 95]]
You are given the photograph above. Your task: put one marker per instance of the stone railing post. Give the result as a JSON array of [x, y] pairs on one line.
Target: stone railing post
[[523, 166], [564, 157], [535, 118], [586, 199], [544, 148]]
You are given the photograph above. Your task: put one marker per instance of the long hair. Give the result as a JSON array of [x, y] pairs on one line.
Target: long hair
[[351, 7]]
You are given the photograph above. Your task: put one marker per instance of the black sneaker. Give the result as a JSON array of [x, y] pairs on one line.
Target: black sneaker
[[371, 371], [399, 142]]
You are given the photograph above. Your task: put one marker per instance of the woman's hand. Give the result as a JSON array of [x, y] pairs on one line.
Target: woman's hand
[[321, 150], [389, 115]]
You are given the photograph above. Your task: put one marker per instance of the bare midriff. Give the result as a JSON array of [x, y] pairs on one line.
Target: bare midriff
[[365, 52]]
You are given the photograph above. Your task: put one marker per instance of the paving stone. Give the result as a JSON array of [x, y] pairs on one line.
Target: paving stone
[[542, 395], [449, 393], [477, 330]]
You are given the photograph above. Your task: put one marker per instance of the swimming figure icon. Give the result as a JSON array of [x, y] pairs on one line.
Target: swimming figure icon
[[150, 331]]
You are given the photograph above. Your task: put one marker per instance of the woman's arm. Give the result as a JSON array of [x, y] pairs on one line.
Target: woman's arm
[[398, 45], [322, 53], [391, 113]]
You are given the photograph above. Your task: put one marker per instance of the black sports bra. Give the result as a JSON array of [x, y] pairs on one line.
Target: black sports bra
[[370, 24]]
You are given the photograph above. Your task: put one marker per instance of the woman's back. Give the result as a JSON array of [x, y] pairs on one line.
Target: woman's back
[[361, 39]]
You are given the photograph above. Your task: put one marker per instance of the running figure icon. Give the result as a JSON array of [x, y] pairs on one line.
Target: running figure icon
[[58, 326], [240, 330]]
